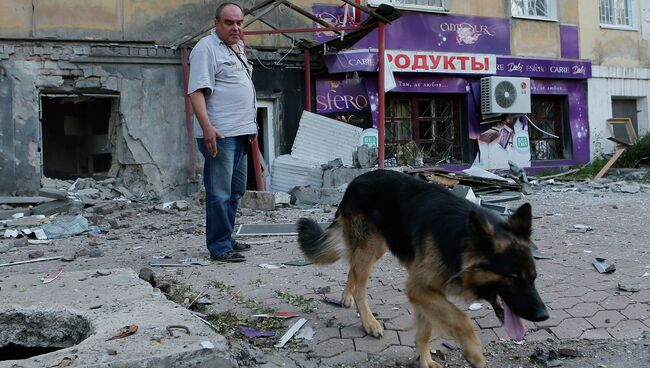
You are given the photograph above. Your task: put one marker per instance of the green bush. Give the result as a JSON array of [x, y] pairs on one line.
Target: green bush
[[633, 154]]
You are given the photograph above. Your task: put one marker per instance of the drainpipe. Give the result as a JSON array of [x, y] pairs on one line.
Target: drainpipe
[[307, 80], [382, 95], [188, 112]]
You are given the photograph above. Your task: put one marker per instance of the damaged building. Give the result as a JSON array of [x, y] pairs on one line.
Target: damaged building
[[96, 88]]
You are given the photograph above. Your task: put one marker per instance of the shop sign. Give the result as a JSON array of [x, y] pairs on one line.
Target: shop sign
[[438, 62], [543, 68]]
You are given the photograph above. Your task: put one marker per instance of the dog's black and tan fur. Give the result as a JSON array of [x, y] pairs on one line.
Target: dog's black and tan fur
[[448, 246]]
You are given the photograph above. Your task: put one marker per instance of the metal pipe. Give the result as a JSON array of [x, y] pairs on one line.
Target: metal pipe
[[257, 165], [302, 30], [382, 94], [188, 112], [307, 80]]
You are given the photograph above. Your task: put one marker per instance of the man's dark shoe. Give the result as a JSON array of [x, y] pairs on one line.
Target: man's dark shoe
[[229, 257], [241, 247]]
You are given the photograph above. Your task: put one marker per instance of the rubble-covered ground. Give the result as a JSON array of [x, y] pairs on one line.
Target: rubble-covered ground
[[597, 320]]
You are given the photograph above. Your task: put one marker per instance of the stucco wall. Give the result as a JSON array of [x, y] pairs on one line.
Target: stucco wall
[[604, 46], [608, 82]]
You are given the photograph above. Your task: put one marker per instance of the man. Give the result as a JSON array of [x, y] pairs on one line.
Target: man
[[223, 99]]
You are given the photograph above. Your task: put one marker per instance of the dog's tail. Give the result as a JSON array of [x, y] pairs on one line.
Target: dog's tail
[[320, 247]]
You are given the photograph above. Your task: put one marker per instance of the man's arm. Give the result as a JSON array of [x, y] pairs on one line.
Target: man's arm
[[210, 133]]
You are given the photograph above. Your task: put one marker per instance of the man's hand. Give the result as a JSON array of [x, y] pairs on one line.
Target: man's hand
[[210, 136], [252, 138]]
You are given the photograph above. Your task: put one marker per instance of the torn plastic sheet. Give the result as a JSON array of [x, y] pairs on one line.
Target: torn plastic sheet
[[602, 266], [251, 332], [64, 228]]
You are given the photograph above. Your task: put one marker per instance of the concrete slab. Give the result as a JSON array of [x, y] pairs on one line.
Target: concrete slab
[[109, 303]]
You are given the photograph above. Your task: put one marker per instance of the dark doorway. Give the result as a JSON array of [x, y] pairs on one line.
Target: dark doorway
[[550, 137], [76, 134]]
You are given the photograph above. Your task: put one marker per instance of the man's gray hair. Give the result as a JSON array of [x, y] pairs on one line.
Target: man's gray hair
[[217, 14]]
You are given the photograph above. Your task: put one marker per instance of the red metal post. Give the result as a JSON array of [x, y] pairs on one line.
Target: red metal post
[[255, 151], [302, 30], [307, 80], [382, 95], [188, 112]]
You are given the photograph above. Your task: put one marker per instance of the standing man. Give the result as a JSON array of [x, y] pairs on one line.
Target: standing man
[[223, 99]]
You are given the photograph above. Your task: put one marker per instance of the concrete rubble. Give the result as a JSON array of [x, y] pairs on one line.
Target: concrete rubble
[[99, 280]]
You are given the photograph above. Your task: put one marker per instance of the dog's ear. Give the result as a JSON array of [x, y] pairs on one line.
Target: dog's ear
[[521, 221], [479, 227]]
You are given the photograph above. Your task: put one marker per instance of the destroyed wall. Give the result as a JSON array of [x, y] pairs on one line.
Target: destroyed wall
[[150, 140]]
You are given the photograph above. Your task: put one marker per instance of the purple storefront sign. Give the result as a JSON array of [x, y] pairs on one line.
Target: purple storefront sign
[[366, 61], [543, 68], [334, 15], [338, 95], [569, 42], [446, 33], [351, 61], [578, 118]]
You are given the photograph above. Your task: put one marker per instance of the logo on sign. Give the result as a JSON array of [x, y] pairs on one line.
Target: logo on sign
[[579, 69], [516, 67], [466, 33]]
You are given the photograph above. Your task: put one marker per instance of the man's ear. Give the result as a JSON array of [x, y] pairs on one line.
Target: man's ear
[[520, 222]]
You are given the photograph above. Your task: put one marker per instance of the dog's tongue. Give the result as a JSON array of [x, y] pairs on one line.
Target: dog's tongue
[[513, 325]]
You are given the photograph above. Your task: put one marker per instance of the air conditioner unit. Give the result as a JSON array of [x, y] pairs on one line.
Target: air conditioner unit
[[505, 95]]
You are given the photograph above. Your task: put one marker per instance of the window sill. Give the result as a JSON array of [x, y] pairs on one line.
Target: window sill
[[619, 28], [530, 17]]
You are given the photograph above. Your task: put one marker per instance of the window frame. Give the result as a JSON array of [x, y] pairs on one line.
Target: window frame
[[421, 8], [552, 10], [633, 26]]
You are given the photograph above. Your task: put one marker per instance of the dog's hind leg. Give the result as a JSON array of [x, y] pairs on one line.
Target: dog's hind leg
[[422, 337], [434, 306], [362, 261]]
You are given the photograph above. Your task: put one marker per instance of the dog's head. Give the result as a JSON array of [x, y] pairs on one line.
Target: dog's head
[[500, 268]]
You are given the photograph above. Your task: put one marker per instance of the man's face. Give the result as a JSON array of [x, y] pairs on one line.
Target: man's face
[[229, 24]]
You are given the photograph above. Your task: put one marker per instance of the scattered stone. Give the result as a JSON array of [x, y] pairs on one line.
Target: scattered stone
[[95, 253], [69, 257], [263, 201], [181, 205], [632, 189], [147, 275], [21, 242], [36, 254], [164, 286], [628, 287], [569, 352], [4, 248], [106, 208], [334, 164], [53, 193], [82, 252], [367, 156]]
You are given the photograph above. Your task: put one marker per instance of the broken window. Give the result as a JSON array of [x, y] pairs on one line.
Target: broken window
[[76, 135], [550, 137], [432, 122]]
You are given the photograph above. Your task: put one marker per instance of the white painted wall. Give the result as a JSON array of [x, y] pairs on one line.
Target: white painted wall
[[608, 82]]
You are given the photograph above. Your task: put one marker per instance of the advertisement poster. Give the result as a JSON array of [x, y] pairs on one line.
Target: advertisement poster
[[344, 99], [504, 141]]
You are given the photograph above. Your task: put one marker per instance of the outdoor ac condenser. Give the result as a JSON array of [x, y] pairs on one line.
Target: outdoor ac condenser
[[505, 95]]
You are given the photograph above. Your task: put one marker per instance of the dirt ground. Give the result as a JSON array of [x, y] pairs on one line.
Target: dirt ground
[[618, 231]]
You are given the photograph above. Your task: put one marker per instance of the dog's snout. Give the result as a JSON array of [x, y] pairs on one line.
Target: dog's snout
[[540, 315]]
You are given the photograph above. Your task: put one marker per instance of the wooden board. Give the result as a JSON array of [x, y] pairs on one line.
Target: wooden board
[[608, 165]]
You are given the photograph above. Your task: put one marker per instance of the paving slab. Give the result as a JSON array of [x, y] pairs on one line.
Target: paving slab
[[108, 302]]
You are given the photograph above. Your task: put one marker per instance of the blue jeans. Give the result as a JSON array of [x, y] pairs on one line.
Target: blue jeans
[[224, 177]]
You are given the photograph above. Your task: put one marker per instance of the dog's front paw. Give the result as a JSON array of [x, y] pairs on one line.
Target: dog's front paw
[[373, 328], [476, 359], [427, 362], [347, 299]]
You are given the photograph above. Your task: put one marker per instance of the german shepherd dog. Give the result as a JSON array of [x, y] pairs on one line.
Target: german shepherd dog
[[449, 246]]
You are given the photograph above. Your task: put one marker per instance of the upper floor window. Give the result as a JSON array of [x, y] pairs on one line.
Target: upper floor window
[[417, 5], [618, 13], [535, 9]]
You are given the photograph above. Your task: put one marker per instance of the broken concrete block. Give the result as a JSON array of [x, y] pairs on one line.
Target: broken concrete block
[[106, 208], [264, 201], [36, 254], [334, 164], [50, 208], [282, 198], [8, 213], [331, 196], [181, 205], [367, 156], [53, 193]]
